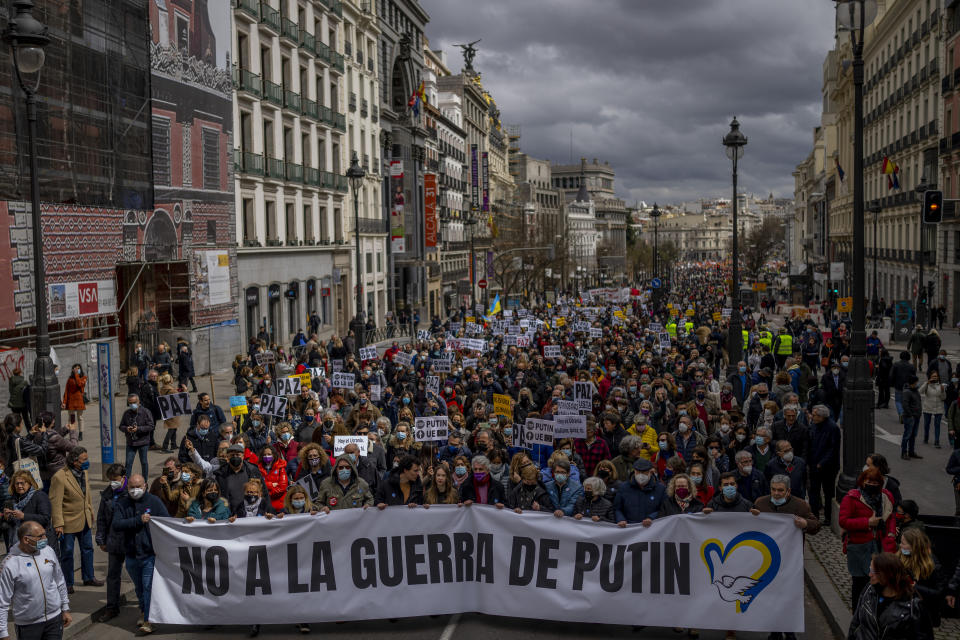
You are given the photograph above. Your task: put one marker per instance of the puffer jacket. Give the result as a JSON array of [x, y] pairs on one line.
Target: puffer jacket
[[564, 497], [932, 397], [335, 496], [276, 479], [107, 536], [855, 514], [600, 507]]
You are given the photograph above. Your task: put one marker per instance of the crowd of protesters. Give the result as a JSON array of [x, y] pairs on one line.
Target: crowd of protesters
[[673, 427]]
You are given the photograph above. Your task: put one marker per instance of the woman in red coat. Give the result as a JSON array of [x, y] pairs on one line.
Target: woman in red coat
[[274, 471], [73, 398], [869, 526]]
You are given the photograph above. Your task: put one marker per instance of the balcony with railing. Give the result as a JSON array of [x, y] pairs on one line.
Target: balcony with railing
[[341, 183], [248, 163], [369, 225], [375, 114], [275, 169], [309, 109], [273, 93], [336, 8], [323, 51], [340, 122], [293, 172], [291, 100], [360, 56], [370, 64], [290, 30], [326, 115], [336, 61], [348, 48], [328, 180], [352, 102], [364, 108], [270, 17], [311, 177], [249, 82], [250, 7], [308, 41]]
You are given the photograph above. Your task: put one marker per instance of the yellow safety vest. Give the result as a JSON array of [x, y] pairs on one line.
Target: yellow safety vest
[[785, 347], [672, 329], [746, 339], [766, 339], [688, 326]]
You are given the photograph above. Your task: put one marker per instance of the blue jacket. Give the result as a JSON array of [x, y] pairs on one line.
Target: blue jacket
[[127, 520], [752, 486], [564, 498], [635, 504], [824, 445]]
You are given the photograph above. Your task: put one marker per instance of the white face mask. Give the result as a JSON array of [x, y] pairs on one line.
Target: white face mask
[[748, 469], [683, 428], [788, 457], [865, 467], [642, 478], [136, 493]]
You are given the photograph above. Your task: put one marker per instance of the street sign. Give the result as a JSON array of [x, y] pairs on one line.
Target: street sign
[[482, 283], [845, 305], [656, 283]]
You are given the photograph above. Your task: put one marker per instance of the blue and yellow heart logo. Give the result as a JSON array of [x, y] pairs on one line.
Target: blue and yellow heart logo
[[742, 589]]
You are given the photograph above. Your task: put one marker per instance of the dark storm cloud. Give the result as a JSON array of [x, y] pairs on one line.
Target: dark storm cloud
[[651, 85]]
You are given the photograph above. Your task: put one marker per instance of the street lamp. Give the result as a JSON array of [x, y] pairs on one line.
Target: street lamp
[[356, 174], [472, 222], [921, 314], [734, 142], [27, 38], [858, 436], [655, 214]]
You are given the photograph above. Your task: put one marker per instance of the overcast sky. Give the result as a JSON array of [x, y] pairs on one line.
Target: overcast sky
[[651, 85]]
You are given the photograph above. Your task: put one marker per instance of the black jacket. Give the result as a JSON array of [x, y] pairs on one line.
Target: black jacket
[[671, 508], [231, 483], [796, 471], [740, 505], [522, 497], [389, 492], [205, 446], [601, 507], [106, 534], [37, 509], [912, 404], [495, 492], [900, 620], [798, 436], [128, 520], [901, 371], [148, 398]]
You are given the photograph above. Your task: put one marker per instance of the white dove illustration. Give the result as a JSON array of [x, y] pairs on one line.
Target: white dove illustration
[[731, 589]]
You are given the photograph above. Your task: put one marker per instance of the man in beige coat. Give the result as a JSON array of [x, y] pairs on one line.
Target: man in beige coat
[[73, 518]]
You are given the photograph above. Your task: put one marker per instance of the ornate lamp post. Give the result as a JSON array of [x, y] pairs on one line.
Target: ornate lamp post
[[27, 37], [655, 214], [734, 142], [356, 174]]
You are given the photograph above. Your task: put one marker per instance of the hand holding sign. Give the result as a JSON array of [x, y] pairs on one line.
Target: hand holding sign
[[342, 381], [174, 404]]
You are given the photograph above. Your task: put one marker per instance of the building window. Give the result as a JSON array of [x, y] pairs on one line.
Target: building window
[[211, 159], [183, 32], [211, 232], [161, 151]]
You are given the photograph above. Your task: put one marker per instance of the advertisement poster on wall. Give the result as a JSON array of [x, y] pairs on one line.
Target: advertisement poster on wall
[[397, 236], [78, 299], [212, 272]]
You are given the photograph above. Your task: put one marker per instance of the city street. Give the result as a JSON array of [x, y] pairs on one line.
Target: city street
[[458, 627]]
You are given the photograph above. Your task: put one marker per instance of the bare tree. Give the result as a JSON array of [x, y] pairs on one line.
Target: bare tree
[[760, 245]]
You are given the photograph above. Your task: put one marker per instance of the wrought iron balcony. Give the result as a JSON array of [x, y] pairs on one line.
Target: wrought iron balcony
[[275, 169], [291, 100], [270, 17], [273, 93]]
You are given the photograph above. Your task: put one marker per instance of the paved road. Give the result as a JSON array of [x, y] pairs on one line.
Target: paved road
[[467, 627]]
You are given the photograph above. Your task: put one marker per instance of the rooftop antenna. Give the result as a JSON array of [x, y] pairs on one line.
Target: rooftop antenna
[[571, 145]]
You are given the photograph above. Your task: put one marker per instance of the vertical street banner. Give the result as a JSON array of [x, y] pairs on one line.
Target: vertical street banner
[[733, 571], [105, 389], [430, 210], [474, 177], [397, 233], [485, 175]]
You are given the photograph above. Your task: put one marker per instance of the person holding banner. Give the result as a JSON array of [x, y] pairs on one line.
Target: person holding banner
[[273, 470], [401, 485], [593, 503], [563, 491], [440, 490], [480, 487], [640, 498], [209, 505], [681, 497], [313, 469], [529, 494], [344, 489], [232, 477]]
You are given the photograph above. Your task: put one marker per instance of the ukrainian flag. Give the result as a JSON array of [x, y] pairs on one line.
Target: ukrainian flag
[[495, 306]]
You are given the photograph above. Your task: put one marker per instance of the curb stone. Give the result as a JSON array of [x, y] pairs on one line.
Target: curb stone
[[834, 608]]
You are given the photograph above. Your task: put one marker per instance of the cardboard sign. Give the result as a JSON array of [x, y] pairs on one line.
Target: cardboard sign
[[432, 429], [275, 406], [375, 392], [317, 372], [267, 357], [567, 408], [340, 443], [238, 406], [174, 404], [665, 341], [433, 384], [716, 316], [726, 312], [689, 313], [403, 358], [342, 381], [535, 432], [368, 353], [423, 334], [288, 386], [570, 426], [442, 365], [552, 351], [583, 395], [655, 327], [336, 365], [596, 332], [523, 342], [455, 326], [502, 405], [469, 362], [306, 380]]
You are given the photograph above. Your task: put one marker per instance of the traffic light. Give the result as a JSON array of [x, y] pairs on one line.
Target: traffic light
[[932, 207]]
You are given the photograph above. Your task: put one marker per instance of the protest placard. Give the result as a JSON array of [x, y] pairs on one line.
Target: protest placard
[[238, 405], [275, 406], [342, 381], [174, 404], [340, 443], [430, 429]]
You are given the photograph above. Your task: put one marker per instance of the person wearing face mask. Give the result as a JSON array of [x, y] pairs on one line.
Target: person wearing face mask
[[344, 489], [782, 500], [916, 554], [760, 448], [33, 587], [912, 410], [287, 448], [866, 516], [562, 489], [210, 505], [401, 486], [593, 503], [933, 394], [823, 462], [833, 382], [203, 440], [455, 448], [232, 477], [167, 486], [687, 438], [788, 464], [137, 424], [739, 382], [255, 505], [314, 468], [751, 483], [273, 469], [365, 466], [640, 498], [72, 514], [26, 502], [529, 494], [110, 540], [131, 518], [702, 487], [728, 498]]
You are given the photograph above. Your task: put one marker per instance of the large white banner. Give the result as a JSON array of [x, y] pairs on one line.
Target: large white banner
[[721, 571]]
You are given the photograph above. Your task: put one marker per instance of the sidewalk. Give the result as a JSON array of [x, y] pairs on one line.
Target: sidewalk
[[87, 602]]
